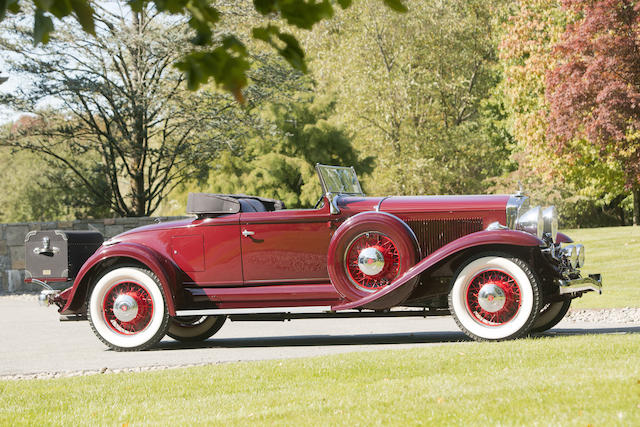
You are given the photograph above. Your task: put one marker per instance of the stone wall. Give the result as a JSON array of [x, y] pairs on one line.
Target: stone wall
[[12, 254]]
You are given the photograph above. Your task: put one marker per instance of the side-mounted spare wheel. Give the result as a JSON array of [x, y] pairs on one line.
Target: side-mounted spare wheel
[[127, 309], [194, 328], [368, 252], [495, 297]]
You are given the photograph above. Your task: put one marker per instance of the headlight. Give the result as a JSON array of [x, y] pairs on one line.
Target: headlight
[[574, 254], [532, 222], [580, 250], [550, 217]]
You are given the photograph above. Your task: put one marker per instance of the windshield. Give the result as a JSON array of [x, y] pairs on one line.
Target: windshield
[[339, 180]]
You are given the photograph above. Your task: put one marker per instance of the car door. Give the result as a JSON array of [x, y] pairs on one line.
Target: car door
[[209, 251], [286, 246]]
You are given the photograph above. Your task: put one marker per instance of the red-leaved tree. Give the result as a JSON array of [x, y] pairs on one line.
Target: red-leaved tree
[[594, 89]]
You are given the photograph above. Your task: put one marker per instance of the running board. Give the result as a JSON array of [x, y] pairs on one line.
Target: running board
[[319, 312], [229, 311]]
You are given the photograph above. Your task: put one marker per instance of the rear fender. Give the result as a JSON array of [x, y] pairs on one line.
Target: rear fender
[[480, 238], [121, 253]]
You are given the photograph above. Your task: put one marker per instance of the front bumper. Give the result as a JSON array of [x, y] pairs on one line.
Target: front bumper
[[581, 285]]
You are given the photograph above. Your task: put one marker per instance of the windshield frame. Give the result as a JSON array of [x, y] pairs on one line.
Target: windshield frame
[[322, 170]]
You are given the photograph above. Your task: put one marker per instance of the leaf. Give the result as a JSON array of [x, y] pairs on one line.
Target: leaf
[[265, 7], [396, 5], [42, 26], [84, 12], [10, 5], [304, 14], [228, 71], [173, 6], [291, 51], [137, 5], [345, 3], [60, 8]]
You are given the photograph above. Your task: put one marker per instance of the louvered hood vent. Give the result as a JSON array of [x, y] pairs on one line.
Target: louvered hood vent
[[433, 234]]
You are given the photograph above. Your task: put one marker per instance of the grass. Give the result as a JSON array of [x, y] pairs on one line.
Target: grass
[[614, 252], [578, 380]]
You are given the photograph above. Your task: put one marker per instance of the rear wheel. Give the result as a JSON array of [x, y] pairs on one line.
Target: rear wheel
[[550, 315], [495, 297], [194, 328], [127, 309]]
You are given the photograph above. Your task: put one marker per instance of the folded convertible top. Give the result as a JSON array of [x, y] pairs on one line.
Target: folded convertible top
[[217, 204]]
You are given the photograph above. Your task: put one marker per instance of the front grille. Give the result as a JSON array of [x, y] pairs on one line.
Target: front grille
[[433, 234]]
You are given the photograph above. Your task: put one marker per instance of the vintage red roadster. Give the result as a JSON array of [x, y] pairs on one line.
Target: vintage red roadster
[[499, 267]]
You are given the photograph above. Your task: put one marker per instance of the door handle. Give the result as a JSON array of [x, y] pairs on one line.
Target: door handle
[[247, 233]]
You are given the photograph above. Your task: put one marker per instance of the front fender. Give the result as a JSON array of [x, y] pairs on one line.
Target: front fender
[[480, 238], [160, 265]]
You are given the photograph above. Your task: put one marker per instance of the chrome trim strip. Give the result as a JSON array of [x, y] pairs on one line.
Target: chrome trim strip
[[333, 206], [223, 311], [380, 202], [583, 284]]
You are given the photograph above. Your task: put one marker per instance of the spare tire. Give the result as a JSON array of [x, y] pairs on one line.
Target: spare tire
[[367, 253]]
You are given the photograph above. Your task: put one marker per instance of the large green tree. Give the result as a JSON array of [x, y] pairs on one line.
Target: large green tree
[[221, 57], [118, 119], [418, 92], [281, 163]]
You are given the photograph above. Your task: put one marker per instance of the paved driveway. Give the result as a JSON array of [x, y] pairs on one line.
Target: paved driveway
[[34, 341]]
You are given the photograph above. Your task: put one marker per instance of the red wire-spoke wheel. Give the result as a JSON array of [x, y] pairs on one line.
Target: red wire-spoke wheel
[[495, 297], [367, 253], [372, 261], [127, 309]]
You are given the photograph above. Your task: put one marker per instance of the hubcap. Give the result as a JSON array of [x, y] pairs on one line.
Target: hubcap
[[128, 308], [491, 298], [125, 308], [370, 261]]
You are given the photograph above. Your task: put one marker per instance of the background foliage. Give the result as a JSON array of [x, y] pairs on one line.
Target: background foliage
[[451, 97]]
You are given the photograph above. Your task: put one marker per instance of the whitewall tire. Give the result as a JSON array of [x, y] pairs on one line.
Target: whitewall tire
[[127, 309], [495, 297], [194, 328], [550, 315]]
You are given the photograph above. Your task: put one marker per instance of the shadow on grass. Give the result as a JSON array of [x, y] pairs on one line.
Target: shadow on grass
[[564, 331], [319, 340], [372, 339]]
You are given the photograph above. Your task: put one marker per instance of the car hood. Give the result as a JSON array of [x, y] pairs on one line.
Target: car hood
[[418, 204]]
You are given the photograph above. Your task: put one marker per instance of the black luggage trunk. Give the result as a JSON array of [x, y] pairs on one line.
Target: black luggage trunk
[[58, 255]]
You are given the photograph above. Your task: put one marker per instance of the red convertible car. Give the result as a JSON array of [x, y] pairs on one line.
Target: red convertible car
[[499, 267]]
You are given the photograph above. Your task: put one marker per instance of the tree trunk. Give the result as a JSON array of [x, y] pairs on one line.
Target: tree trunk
[[636, 203]]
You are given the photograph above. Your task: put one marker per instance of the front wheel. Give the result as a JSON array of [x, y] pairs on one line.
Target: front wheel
[[194, 328], [550, 315], [127, 309], [495, 297]]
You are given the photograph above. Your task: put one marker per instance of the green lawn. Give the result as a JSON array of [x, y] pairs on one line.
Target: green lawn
[[579, 380], [614, 252]]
